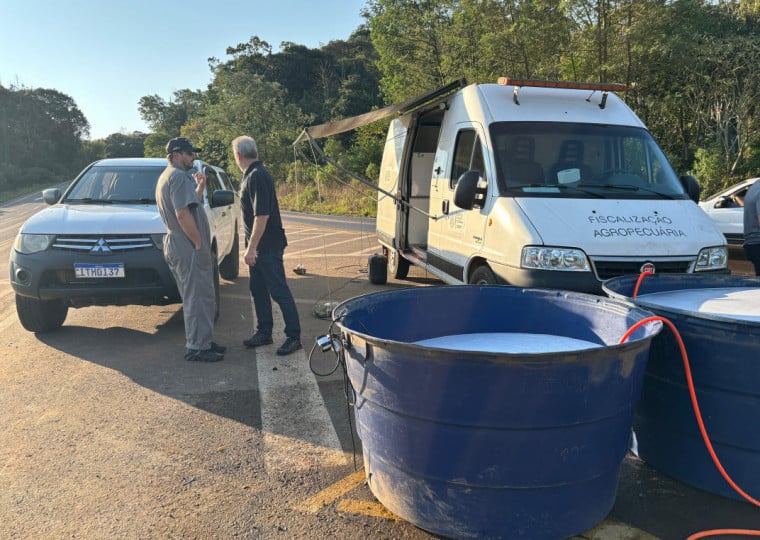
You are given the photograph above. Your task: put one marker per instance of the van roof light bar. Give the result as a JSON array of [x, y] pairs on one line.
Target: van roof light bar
[[602, 87]]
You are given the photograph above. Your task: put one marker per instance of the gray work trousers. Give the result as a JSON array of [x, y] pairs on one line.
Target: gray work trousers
[[194, 274]]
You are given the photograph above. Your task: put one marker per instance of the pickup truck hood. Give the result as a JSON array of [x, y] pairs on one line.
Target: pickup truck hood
[[622, 227], [96, 219]]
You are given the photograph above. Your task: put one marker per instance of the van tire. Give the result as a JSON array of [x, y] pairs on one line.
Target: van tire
[[398, 266], [377, 268], [483, 275]]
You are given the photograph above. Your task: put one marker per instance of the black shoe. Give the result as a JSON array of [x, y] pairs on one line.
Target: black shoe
[[221, 349], [291, 345], [257, 340], [206, 355]]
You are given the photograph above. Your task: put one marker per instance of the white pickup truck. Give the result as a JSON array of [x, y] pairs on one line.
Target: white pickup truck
[[100, 243]]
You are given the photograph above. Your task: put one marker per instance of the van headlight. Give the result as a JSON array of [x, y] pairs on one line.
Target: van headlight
[[32, 243], [712, 258], [554, 258]]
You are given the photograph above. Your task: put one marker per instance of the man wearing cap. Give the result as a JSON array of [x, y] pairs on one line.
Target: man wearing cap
[[187, 250]]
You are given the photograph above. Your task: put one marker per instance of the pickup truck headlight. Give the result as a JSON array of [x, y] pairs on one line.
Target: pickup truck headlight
[[554, 258], [712, 258], [32, 243]]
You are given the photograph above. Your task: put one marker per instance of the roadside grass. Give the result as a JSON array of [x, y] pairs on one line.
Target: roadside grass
[[332, 200], [19, 191]]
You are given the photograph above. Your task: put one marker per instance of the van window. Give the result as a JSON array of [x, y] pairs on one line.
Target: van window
[[468, 156], [550, 159]]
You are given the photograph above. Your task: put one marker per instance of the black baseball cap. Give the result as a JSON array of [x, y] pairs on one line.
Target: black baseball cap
[[180, 144]]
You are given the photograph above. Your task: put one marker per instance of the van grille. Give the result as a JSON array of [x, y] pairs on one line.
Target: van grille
[[103, 244], [611, 269]]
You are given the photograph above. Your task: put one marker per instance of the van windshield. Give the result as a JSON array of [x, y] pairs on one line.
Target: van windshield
[[547, 159]]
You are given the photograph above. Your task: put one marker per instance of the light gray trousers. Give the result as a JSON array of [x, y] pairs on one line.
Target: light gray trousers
[[194, 275]]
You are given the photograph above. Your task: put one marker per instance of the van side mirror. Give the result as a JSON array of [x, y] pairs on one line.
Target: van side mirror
[[691, 186], [467, 190]]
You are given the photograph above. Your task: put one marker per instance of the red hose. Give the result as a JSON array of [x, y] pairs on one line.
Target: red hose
[[638, 282], [700, 422]]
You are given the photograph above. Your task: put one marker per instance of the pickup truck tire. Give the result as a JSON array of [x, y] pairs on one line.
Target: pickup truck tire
[[217, 292], [483, 275], [229, 268], [398, 266], [40, 315]]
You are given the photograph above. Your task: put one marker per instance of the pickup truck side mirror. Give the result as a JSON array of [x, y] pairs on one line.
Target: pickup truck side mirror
[[222, 197], [691, 186], [466, 190], [51, 196]]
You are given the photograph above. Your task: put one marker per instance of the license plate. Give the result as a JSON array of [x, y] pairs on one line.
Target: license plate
[[109, 270]]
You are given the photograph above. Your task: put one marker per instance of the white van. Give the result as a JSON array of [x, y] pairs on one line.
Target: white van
[[533, 184]]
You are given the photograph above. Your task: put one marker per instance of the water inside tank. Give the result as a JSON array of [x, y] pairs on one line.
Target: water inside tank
[[508, 342], [741, 303]]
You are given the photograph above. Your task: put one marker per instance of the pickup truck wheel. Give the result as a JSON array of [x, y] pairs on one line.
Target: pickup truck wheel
[[483, 276], [398, 267], [217, 294], [229, 269], [40, 315]]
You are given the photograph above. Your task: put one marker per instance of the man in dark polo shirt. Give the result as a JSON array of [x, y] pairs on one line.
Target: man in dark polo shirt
[[752, 225], [265, 244]]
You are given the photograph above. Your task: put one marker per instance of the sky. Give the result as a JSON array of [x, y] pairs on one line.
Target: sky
[[107, 54]]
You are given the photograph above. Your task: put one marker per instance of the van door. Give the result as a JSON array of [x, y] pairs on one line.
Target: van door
[[391, 214], [458, 234]]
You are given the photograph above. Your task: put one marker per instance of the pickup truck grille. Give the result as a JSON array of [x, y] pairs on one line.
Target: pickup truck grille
[[97, 243], [611, 269]]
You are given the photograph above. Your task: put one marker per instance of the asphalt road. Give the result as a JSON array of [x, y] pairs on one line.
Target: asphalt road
[[108, 433]]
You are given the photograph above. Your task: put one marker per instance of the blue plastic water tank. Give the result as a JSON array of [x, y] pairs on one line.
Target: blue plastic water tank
[[490, 444], [723, 354]]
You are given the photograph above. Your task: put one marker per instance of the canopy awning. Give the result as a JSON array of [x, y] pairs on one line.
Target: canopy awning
[[347, 124]]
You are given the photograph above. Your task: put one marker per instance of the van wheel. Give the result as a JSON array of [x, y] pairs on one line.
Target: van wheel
[[229, 269], [217, 293], [398, 267], [483, 275], [40, 315]]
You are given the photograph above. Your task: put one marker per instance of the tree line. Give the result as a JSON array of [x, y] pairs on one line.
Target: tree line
[[692, 68]]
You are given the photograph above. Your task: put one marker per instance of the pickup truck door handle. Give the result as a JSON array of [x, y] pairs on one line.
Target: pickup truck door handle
[[445, 207]]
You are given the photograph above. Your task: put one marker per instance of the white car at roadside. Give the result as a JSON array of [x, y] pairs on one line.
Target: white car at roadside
[[726, 209], [100, 242]]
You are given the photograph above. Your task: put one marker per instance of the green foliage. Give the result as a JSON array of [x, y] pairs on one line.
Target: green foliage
[[41, 131], [692, 68]]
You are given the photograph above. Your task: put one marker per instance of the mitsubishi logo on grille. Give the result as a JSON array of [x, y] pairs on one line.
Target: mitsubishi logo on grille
[[101, 246]]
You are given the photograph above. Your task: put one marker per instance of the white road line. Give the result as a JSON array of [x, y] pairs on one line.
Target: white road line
[[323, 247], [293, 412]]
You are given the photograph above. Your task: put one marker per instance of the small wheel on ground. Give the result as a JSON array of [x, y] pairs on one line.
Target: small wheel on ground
[[40, 315], [377, 268], [398, 266], [483, 275]]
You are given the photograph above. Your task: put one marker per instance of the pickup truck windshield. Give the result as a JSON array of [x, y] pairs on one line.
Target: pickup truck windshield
[[547, 159], [117, 185]]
